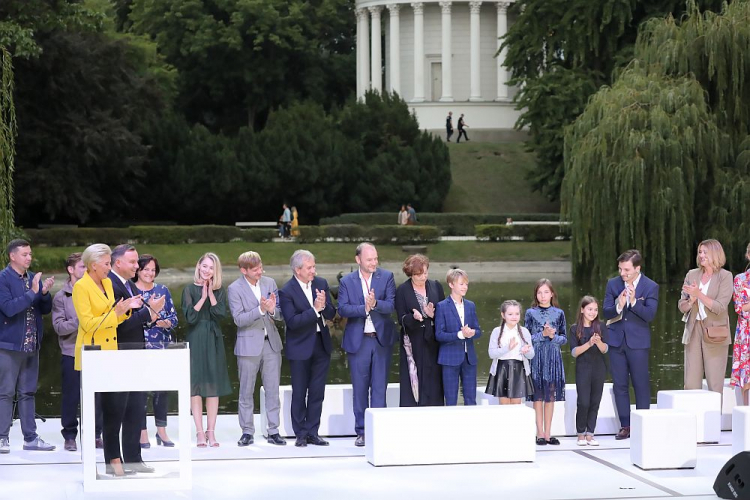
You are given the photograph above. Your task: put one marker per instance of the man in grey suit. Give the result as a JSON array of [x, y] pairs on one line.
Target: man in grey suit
[[254, 306]]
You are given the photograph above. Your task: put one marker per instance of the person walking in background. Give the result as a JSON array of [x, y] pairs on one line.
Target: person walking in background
[[510, 349], [456, 328], [630, 304], [295, 222], [461, 129], [416, 299], [449, 126], [741, 352], [204, 303], [412, 215], [546, 322], [403, 216], [588, 345], [286, 222], [158, 335], [706, 293], [254, 306], [24, 298]]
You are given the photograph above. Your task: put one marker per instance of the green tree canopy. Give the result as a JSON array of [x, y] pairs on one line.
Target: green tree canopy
[[7, 150]]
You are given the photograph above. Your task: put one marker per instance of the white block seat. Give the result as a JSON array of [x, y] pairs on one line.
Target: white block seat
[[406, 436], [663, 439], [740, 429], [706, 405], [337, 418], [731, 397]]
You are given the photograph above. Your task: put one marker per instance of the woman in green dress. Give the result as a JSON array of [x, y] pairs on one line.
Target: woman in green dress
[[205, 305]]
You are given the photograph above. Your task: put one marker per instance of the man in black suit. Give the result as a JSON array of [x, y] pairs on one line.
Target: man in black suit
[[306, 305], [126, 409]]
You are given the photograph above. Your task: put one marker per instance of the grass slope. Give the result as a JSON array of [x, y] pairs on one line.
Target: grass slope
[[491, 178]]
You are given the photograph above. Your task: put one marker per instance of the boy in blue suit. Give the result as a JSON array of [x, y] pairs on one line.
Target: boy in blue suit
[[456, 328]]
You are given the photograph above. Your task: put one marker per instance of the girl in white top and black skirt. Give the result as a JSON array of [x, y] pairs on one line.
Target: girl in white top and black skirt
[[510, 349]]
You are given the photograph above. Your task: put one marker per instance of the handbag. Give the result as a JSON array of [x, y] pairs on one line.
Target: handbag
[[715, 334], [529, 385]]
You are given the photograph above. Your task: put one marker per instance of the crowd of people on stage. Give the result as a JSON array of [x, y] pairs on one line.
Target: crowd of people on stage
[[111, 300]]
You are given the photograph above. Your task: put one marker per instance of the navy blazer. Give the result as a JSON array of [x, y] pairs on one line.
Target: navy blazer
[[302, 320], [633, 329], [352, 307], [447, 326], [130, 331], [14, 300]]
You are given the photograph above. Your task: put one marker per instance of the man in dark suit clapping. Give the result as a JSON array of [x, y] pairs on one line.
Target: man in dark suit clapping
[[306, 305]]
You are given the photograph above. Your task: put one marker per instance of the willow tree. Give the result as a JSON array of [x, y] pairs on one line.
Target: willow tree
[[652, 162], [7, 150]]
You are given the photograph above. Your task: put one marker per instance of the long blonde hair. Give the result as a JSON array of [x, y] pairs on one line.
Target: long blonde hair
[[217, 269]]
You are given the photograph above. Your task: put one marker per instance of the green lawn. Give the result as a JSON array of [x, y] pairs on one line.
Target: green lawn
[[491, 178], [184, 256]]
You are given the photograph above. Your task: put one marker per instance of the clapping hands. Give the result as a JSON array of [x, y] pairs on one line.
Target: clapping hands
[[429, 310], [268, 305], [320, 300], [548, 331], [468, 332], [370, 301], [45, 286]]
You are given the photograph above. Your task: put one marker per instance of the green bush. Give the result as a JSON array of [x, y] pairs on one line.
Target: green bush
[[497, 232], [451, 224], [493, 232], [383, 235], [157, 235], [346, 232]]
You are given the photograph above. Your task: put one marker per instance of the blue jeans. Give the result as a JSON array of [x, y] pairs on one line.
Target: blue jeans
[[19, 373]]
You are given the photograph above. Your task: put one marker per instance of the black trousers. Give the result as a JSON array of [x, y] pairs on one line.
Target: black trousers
[[589, 385], [308, 389], [123, 410], [71, 399], [462, 132]]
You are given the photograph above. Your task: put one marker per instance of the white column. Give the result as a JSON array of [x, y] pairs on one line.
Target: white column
[[395, 54], [476, 87], [360, 87], [376, 58], [502, 29], [364, 49], [418, 52], [447, 53]]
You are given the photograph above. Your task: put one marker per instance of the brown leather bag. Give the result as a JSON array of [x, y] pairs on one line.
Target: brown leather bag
[[715, 334]]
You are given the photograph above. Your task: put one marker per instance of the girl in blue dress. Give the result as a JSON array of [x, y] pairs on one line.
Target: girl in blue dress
[[546, 322]]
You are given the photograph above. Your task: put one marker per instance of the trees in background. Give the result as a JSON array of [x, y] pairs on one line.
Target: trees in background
[[7, 151], [660, 160]]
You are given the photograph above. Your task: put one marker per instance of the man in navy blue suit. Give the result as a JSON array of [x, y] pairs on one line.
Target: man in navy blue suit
[[367, 299], [630, 304], [456, 328], [306, 305]]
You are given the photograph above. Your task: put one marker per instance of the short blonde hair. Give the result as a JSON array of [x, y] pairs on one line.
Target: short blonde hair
[[94, 253], [217, 269], [455, 274], [716, 256], [249, 260]]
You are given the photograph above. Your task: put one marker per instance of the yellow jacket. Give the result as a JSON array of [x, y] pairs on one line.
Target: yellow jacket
[[96, 315]]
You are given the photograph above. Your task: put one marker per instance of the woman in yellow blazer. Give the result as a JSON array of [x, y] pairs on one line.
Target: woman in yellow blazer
[[706, 293]]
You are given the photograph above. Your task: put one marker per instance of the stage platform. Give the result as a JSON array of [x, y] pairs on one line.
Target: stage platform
[[264, 471]]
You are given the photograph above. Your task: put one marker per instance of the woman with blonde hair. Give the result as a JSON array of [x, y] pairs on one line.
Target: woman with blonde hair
[[705, 296], [741, 352], [204, 304]]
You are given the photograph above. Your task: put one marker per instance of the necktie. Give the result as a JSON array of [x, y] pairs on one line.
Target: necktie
[[130, 290]]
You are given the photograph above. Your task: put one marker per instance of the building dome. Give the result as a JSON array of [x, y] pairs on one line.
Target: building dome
[[439, 56]]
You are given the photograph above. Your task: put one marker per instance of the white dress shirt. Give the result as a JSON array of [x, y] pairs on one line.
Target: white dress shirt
[[369, 325], [307, 289], [460, 309], [630, 300]]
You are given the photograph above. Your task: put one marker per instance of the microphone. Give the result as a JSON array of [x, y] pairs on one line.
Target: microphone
[[92, 346]]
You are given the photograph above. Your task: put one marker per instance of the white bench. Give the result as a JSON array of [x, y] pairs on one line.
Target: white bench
[[706, 405], [731, 397], [408, 436], [337, 418], [663, 439], [740, 429], [564, 416], [256, 224]]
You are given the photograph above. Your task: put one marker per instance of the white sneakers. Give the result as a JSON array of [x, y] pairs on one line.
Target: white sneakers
[[581, 442], [4, 445], [38, 445], [587, 442]]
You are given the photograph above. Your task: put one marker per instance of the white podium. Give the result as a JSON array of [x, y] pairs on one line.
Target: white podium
[[136, 370]]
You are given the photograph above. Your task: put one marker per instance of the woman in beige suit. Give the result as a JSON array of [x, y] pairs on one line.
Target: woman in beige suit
[[706, 293]]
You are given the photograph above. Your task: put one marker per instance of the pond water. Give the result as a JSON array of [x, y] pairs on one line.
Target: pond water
[[666, 352]]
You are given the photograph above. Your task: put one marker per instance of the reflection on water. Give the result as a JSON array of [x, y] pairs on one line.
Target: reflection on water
[[666, 350]]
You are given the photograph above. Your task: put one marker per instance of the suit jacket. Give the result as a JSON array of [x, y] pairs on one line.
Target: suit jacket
[[352, 306], [130, 331], [720, 290], [633, 329], [97, 321], [302, 320], [406, 302], [447, 326], [14, 300], [250, 321]]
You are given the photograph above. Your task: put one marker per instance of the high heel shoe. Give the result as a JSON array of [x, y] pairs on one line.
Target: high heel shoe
[[162, 442], [200, 437], [146, 445], [212, 443]]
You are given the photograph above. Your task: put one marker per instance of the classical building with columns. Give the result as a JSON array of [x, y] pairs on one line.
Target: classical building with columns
[[439, 56]]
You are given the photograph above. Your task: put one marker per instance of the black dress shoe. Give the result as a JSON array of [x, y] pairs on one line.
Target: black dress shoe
[[276, 439], [246, 440], [623, 434], [99, 443], [360, 441], [317, 441], [139, 467], [111, 470], [300, 442], [553, 440], [541, 441]]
